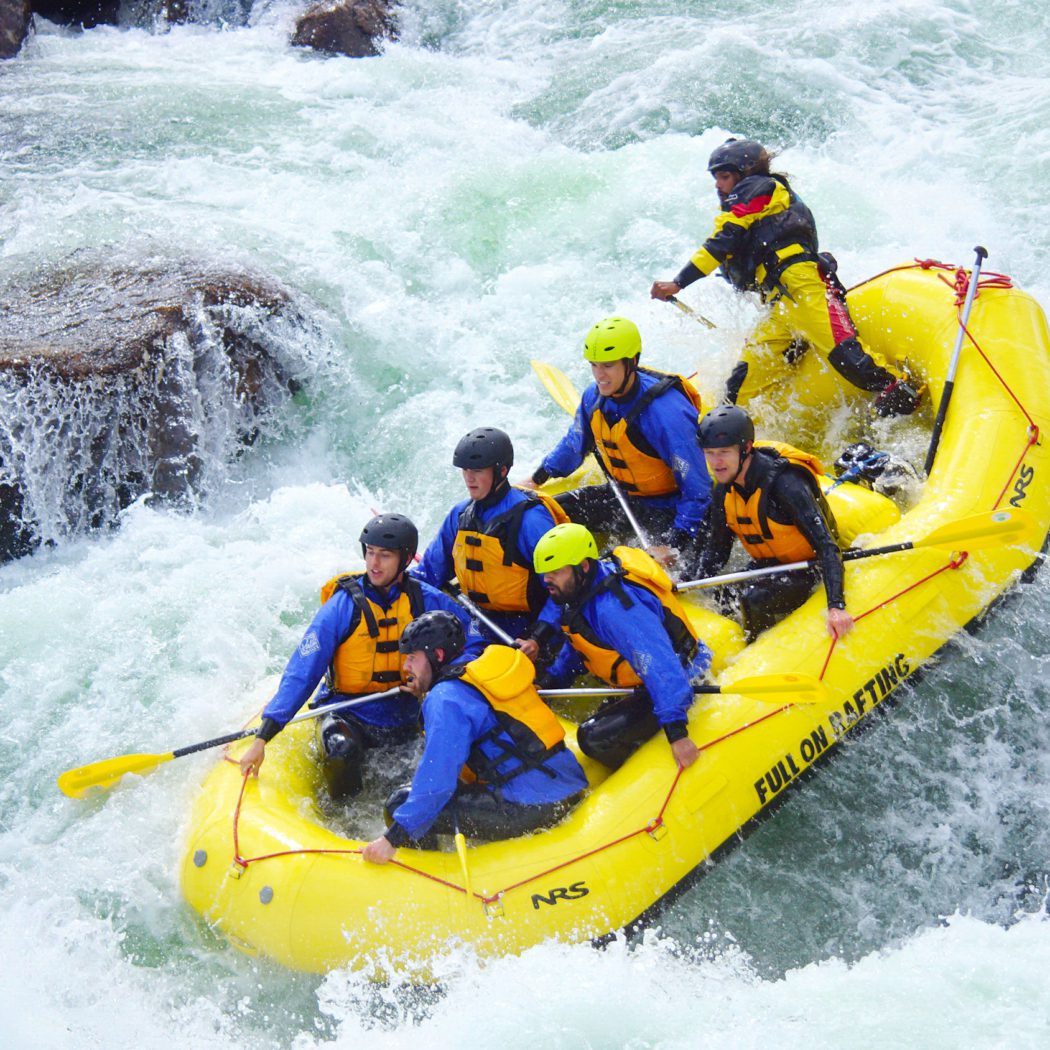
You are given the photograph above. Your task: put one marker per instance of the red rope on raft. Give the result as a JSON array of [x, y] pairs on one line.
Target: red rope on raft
[[955, 563], [656, 822]]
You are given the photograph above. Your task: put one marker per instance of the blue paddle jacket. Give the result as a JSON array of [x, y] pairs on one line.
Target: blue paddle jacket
[[436, 566], [455, 716], [328, 630], [639, 636], [668, 423]]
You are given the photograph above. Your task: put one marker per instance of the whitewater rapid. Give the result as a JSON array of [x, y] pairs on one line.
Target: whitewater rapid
[[503, 176]]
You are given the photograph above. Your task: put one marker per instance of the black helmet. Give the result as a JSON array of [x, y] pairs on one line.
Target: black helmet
[[725, 426], [392, 532], [739, 155], [484, 447], [434, 630]]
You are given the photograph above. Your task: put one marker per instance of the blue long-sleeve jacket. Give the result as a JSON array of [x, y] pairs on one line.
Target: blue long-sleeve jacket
[[327, 631], [669, 424], [436, 566], [455, 716], [637, 634]]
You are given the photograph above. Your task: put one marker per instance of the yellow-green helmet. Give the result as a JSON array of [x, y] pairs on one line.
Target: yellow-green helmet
[[566, 544], [612, 339]]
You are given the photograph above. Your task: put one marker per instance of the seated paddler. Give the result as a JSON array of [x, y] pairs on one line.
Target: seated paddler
[[352, 643], [485, 544], [767, 496], [494, 763], [618, 618], [641, 426]]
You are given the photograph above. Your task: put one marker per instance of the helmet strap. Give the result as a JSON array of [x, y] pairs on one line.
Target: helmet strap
[[630, 368]]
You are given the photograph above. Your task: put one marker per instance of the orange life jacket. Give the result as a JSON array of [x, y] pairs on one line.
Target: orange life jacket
[[749, 520], [369, 659], [622, 446], [634, 566], [527, 729], [489, 567]]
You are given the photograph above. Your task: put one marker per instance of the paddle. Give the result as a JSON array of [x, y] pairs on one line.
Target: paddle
[[807, 690], [561, 389], [695, 315], [949, 382], [104, 774], [558, 385], [991, 529]]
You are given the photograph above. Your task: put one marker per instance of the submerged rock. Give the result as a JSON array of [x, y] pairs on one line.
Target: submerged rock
[[346, 27], [14, 25], [116, 382]]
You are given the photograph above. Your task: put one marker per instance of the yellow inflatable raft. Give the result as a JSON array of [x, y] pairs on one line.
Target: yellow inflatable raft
[[261, 865]]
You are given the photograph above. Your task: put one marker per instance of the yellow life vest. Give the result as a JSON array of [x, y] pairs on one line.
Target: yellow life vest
[[528, 729], [634, 566], [748, 519], [489, 567], [623, 449], [369, 659]]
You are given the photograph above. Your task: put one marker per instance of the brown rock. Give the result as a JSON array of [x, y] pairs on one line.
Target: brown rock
[[14, 26], [118, 381], [346, 27]]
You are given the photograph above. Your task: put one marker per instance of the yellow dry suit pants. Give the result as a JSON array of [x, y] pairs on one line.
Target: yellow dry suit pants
[[811, 312]]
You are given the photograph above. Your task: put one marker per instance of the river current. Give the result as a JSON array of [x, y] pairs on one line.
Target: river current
[[500, 178]]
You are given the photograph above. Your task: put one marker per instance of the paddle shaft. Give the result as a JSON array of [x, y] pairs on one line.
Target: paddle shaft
[[479, 614], [696, 315], [314, 712], [949, 382], [609, 691], [792, 566], [980, 530]]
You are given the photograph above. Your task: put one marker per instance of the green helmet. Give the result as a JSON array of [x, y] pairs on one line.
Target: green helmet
[[566, 544], [612, 339]]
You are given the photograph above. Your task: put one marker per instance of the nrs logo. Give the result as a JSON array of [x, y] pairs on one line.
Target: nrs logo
[[560, 893], [1024, 479]]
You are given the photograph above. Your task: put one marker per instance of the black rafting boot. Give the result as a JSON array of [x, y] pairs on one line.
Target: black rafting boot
[[900, 398], [342, 754]]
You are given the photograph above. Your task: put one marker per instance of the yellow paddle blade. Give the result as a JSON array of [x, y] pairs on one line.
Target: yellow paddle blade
[[461, 849], [76, 782], [807, 689], [559, 386], [991, 529]]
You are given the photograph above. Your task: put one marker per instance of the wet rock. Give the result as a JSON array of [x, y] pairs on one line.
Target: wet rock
[[14, 26], [346, 27], [118, 382]]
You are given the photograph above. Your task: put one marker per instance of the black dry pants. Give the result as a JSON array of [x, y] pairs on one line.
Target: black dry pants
[[770, 598], [618, 728], [597, 507], [343, 740], [479, 814]]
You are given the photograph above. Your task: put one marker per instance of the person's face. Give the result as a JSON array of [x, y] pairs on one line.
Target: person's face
[[561, 583], [479, 482], [725, 181], [723, 463], [418, 673], [609, 375], [382, 566]]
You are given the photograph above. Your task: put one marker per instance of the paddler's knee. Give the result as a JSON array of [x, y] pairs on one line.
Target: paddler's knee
[[342, 752], [858, 367]]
